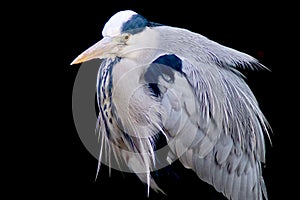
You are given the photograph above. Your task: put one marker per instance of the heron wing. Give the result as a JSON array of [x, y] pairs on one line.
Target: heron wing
[[213, 124]]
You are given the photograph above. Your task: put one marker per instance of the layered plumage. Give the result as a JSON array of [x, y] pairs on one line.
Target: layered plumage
[[160, 81]]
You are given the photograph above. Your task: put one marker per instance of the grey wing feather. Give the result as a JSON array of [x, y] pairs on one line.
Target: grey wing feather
[[229, 140], [199, 48]]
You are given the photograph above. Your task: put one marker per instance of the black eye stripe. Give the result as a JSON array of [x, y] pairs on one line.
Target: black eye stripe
[[136, 24]]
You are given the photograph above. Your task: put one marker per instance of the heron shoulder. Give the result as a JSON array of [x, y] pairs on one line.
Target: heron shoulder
[[200, 49]]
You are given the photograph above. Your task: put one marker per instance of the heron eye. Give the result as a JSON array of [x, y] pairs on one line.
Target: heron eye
[[126, 37]]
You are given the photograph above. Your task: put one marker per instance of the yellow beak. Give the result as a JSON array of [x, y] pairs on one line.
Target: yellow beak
[[98, 50]]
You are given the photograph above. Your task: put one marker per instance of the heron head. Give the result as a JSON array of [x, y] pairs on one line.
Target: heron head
[[123, 33]]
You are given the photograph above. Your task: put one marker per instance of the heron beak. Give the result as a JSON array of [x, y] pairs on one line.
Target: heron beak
[[98, 50]]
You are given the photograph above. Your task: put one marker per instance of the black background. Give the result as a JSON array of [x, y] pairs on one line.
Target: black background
[[58, 165]]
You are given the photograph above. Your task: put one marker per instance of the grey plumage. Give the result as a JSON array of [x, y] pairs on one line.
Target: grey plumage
[[188, 88]]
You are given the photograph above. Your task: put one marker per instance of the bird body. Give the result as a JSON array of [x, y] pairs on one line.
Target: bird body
[[160, 81]]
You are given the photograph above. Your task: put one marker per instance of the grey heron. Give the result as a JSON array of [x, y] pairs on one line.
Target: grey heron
[[161, 81]]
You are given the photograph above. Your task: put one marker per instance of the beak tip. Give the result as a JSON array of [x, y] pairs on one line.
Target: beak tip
[[77, 60]]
